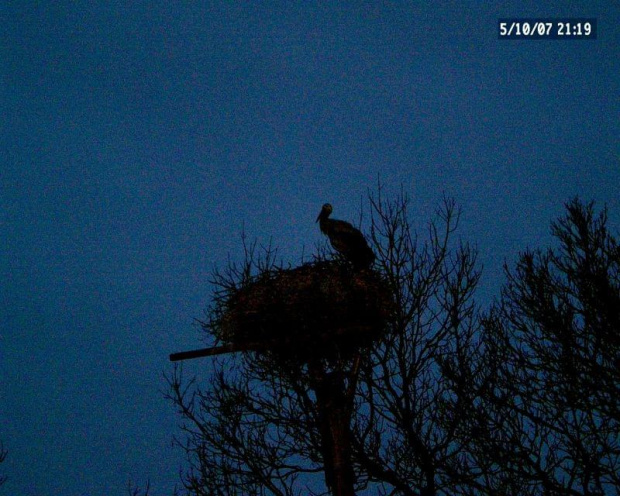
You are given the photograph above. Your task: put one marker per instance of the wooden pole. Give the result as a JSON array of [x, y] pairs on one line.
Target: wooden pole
[[334, 408], [216, 350], [265, 345], [334, 405]]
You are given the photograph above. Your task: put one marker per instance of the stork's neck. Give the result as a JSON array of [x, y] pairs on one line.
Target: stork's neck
[[324, 222]]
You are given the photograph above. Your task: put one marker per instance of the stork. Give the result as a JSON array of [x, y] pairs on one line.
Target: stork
[[346, 239]]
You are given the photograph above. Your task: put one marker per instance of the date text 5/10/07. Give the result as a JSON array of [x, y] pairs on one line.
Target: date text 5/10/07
[[547, 29]]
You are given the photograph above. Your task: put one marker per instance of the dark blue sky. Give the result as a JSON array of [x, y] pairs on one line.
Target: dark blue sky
[[138, 139]]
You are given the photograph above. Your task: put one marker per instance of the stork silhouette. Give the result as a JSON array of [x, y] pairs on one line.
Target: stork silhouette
[[346, 239]]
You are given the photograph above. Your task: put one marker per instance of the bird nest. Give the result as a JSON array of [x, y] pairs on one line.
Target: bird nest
[[318, 310]]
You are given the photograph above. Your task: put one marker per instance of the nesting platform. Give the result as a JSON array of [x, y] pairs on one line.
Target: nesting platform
[[317, 310]]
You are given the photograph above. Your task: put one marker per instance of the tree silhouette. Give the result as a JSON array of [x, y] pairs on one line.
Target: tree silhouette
[[3, 455], [555, 340], [420, 385], [446, 400], [256, 430]]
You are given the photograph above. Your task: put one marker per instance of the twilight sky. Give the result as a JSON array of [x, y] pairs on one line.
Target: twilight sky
[[138, 140]]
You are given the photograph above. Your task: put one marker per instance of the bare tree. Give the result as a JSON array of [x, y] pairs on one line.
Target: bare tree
[[256, 430], [134, 490], [420, 388], [3, 455], [520, 400], [554, 339]]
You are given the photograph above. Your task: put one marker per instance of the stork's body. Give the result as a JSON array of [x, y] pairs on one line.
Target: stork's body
[[346, 239]]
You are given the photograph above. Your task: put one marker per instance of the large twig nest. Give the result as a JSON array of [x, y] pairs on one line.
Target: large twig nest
[[317, 310]]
